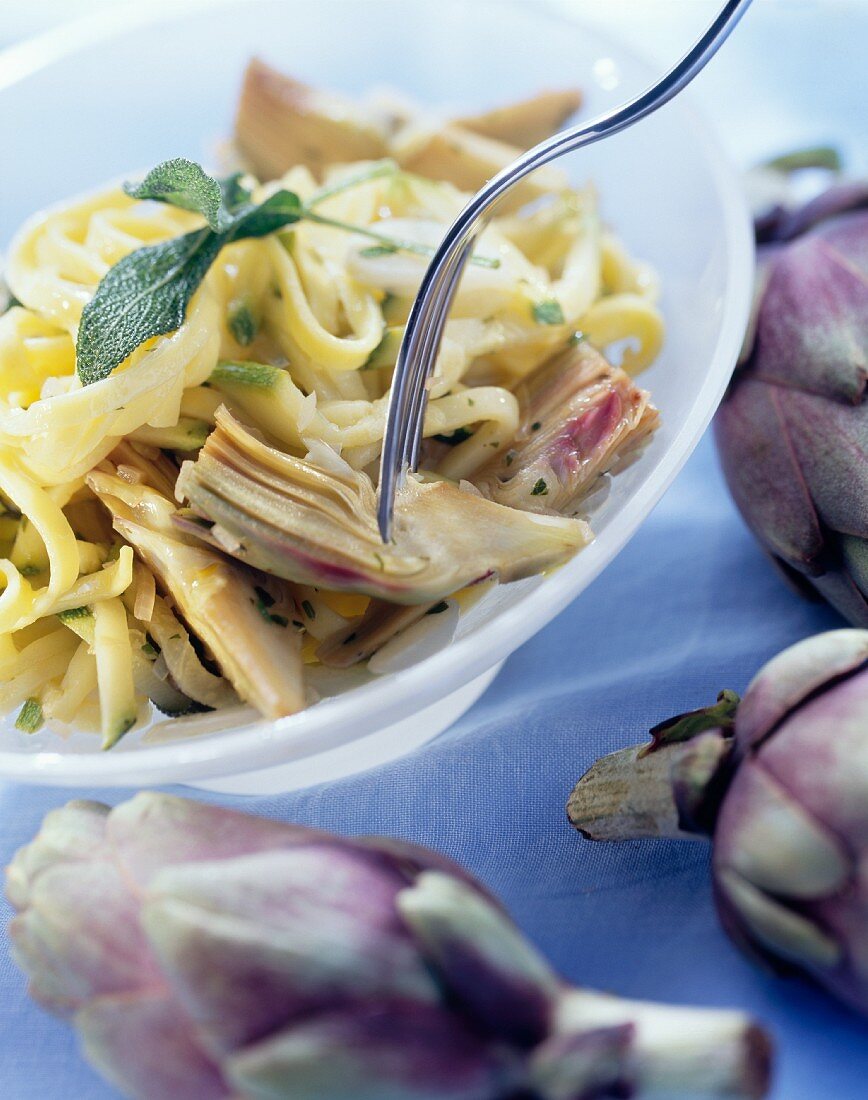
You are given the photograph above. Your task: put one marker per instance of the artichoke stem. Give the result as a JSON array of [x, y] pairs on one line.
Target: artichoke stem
[[679, 1052], [671, 792]]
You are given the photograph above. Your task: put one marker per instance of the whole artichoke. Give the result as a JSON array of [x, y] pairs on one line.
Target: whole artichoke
[[202, 953], [779, 780], [792, 431]]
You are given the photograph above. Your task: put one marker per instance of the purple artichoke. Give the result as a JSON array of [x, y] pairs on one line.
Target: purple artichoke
[[793, 430], [202, 953], [779, 781]]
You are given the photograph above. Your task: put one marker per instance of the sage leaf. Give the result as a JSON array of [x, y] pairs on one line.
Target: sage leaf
[[183, 183], [280, 209], [145, 294]]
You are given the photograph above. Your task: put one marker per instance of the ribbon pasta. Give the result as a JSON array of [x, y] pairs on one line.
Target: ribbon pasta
[[84, 631]]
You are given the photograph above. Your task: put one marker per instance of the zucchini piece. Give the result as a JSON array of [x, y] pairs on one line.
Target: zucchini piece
[[114, 669], [385, 354], [187, 435]]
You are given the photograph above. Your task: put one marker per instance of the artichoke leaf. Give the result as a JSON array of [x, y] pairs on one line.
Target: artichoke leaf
[[249, 635], [581, 417], [311, 525]]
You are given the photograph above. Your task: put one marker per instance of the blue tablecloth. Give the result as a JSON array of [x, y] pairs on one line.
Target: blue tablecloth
[[689, 607]]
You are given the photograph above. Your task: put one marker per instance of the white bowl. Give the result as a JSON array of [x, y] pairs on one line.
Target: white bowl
[[95, 101]]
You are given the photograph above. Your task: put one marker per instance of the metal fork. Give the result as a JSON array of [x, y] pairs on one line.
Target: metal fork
[[424, 331]]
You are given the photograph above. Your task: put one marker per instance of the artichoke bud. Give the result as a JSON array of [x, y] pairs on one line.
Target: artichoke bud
[[781, 791], [201, 952], [792, 431], [317, 525]]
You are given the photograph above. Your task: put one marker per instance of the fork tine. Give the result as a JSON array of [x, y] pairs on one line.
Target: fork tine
[[392, 459], [407, 398], [437, 318]]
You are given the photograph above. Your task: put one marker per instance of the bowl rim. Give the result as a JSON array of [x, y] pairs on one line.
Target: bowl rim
[[362, 710]]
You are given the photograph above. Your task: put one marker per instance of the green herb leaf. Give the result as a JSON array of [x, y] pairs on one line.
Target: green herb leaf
[[548, 313], [265, 598], [458, 436], [145, 294], [721, 715], [185, 184], [150, 650], [438, 608], [540, 489], [280, 209], [308, 608], [265, 601], [30, 717], [235, 194]]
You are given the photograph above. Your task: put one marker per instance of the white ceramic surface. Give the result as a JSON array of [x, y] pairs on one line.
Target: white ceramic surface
[[104, 97]]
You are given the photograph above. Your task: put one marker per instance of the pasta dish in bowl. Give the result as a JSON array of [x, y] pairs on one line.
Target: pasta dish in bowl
[[194, 371]]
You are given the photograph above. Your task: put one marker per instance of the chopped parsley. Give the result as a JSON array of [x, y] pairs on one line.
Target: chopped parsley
[[535, 427], [540, 489], [458, 436], [438, 608], [265, 598], [308, 608], [149, 650], [264, 601]]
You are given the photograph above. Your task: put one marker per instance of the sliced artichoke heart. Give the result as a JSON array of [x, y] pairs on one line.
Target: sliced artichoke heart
[[257, 649], [316, 526], [581, 417]]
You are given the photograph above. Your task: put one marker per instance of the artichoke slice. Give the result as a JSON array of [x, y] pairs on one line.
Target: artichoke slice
[[581, 417], [243, 619], [318, 526]]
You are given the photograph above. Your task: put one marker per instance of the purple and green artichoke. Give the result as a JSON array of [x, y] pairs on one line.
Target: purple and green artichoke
[[202, 953], [779, 782], [792, 431]]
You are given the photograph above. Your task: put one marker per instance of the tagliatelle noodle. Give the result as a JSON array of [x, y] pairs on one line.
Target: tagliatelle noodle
[[321, 303]]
